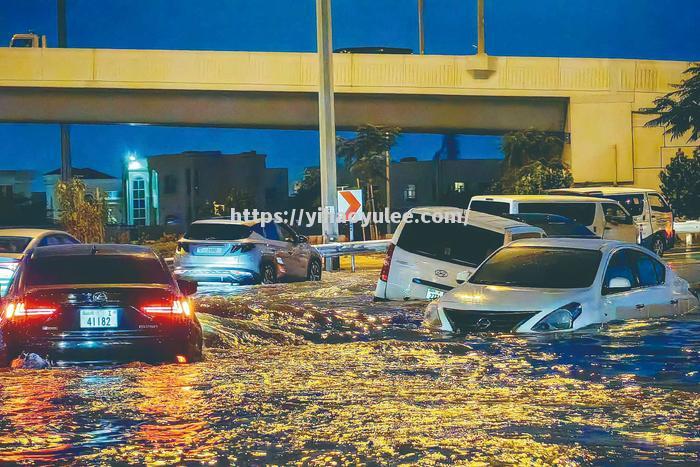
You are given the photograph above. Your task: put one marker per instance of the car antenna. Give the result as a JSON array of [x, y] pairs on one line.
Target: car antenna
[[93, 251]]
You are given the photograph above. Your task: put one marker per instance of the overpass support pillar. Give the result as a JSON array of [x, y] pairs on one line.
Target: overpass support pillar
[[601, 149]]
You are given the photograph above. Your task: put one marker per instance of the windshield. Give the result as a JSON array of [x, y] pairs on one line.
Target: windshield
[[633, 203], [14, 245], [540, 267], [96, 269], [218, 232]]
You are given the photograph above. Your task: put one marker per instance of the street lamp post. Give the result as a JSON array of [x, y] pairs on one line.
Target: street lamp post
[[326, 123], [421, 28], [481, 39], [66, 164]]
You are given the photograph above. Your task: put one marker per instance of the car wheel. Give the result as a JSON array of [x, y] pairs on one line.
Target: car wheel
[[268, 275], [658, 246], [314, 270]]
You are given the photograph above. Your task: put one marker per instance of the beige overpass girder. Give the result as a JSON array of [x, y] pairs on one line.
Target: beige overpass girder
[[595, 100]]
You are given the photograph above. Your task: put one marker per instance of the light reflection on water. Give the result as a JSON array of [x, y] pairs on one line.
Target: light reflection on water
[[298, 373]]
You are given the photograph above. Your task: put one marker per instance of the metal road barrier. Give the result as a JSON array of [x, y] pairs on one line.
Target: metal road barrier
[[330, 250]]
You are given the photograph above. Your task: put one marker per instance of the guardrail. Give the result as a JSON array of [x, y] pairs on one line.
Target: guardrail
[[330, 250]]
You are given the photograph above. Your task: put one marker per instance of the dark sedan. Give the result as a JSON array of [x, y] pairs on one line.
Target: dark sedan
[[98, 303]]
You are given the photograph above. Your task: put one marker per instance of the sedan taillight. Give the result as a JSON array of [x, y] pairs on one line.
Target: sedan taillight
[[177, 307], [17, 309]]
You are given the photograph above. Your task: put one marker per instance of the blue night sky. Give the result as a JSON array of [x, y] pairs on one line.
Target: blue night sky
[[571, 28]]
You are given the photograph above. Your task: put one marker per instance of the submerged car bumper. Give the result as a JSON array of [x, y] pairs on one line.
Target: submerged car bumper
[[234, 275], [107, 346]]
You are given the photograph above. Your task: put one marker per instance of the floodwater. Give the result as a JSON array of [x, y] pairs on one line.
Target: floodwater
[[318, 374]]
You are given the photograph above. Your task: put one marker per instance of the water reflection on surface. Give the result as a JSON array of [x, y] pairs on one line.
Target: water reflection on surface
[[302, 373]]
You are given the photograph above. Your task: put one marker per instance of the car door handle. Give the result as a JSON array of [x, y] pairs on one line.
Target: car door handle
[[639, 306], [674, 301]]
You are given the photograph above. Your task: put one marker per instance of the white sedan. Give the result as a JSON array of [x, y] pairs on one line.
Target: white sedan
[[14, 243], [550, 285]]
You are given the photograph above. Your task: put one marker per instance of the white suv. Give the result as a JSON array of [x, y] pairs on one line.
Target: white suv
[[424, 258]]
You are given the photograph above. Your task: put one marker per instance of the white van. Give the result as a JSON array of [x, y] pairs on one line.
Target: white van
[[424, 258], [650, 211], [605, 218]]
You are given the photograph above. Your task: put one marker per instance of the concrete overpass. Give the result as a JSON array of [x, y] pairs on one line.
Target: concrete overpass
[[594, 100]]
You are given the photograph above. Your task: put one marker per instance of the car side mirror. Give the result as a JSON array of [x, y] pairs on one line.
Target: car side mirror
[[303, 239], [187, 287], [463, 276], [619, 284]]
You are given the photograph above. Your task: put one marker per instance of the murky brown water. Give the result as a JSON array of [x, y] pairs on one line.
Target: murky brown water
[[305, 374]]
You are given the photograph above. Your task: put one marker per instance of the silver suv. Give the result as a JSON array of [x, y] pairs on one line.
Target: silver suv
[[221, 250]]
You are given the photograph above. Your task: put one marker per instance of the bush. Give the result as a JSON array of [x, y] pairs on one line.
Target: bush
[[539, 177], [82, 215], [680, 183]]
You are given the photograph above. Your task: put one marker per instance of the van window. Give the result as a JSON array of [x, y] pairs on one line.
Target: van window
[[633, 203], [497, 208], [657, 203], [451, 242], [582, 213]]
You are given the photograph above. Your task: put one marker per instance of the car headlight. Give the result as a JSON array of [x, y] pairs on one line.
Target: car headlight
[[560, 319]]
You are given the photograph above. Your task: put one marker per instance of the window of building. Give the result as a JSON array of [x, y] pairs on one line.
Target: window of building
[[6, 191], [409, 193], [188, 181], [170, 184], [458, 187], [138, 203]]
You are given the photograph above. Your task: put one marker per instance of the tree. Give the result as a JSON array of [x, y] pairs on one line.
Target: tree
[[679, 110], [680, 183], [539, 177], [534, 155], [308, 193], [82, 215], [365, 155], [526, 146]]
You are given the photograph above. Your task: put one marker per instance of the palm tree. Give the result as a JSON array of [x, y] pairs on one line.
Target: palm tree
[[679, 110]]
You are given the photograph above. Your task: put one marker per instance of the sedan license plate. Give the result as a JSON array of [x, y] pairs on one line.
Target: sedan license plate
[[210, 250], [434, 294], [102, 318]]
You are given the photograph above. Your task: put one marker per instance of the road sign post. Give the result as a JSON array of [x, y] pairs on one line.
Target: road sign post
[[350, 207]]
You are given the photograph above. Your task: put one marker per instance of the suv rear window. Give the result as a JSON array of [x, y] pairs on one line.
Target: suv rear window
[[497, 208], [451, 242], [582, 213], [218, 232], [97, 269]]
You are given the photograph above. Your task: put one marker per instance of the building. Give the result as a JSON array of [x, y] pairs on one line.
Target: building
[[189, 181], [446, 182], [428, 182], [15, 183], [95, 182]]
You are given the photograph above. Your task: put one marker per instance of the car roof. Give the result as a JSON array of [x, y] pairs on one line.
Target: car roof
[[475, 218], [88, 249], [227, 221], [607, 190], [573, 243], [538, 198], [33, 233]]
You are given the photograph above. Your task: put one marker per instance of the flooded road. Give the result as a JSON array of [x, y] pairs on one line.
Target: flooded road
[[319, 374]]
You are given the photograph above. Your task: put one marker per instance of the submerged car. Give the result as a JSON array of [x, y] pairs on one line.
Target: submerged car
[[14, 243], [424, 259], [97, 303], [221, 250], [550, 285]]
